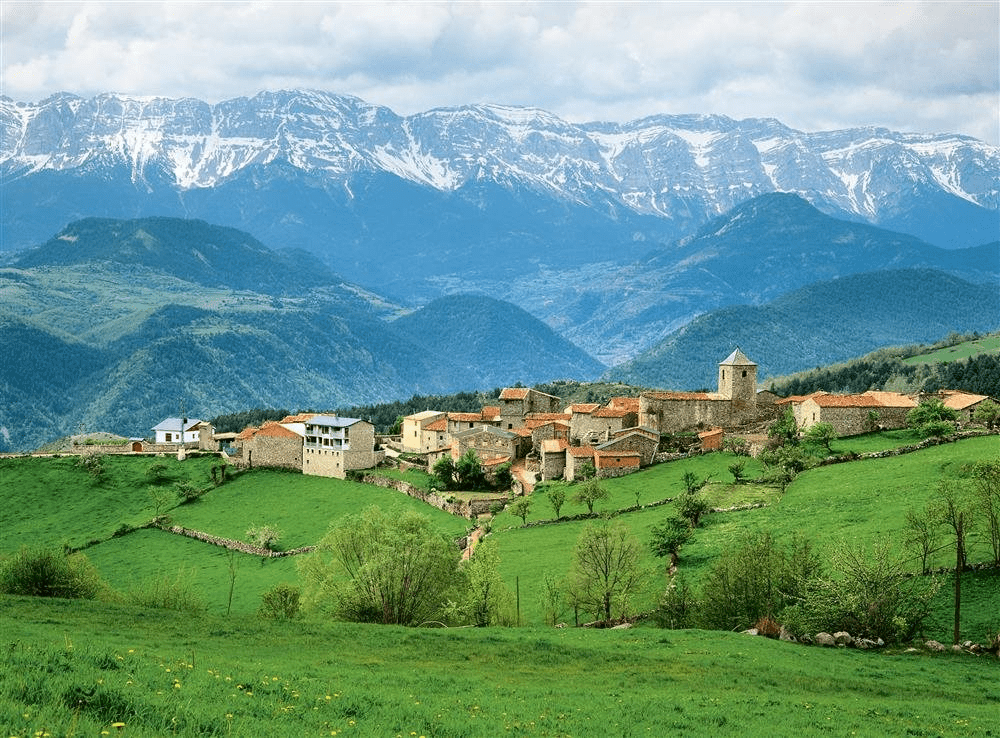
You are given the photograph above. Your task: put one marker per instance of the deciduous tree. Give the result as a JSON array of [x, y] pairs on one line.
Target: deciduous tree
[[383, 568], [589, 493], [606, 572]]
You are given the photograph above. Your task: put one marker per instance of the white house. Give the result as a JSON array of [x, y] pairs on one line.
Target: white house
[[177, 430]]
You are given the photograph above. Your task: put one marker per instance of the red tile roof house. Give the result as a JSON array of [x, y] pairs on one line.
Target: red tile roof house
[[425, 432], [271, 445], [516, 403], [643, 441], [964, 403], [851, 415], [615, 463], [711, 440], [553, 459], [576, 457]]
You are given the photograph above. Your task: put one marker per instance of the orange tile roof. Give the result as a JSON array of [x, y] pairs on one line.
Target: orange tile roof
[[300, 418], [960, 400], [441, 424], [524, 432], [513, 393], [276, 430], [891, 399], [846, 401], [630, 404], [534, 423], [246, 434], [584, 407], [497, 461], [710, 433], [491, 413], [581, 452], [465, 417], [679, 395], [609, 412], [549, 416]]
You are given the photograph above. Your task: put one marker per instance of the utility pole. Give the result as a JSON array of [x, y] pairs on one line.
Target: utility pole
[[959, 565]]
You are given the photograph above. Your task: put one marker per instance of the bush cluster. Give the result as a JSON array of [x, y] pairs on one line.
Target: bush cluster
[[50, 573]]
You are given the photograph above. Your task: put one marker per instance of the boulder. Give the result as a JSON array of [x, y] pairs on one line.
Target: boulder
[[843, 638], [751, 632], [865, 644], [825, 639], [784, 635], [934, 646]]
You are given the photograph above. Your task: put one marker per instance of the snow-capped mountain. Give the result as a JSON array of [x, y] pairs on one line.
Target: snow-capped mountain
[[347, 179]]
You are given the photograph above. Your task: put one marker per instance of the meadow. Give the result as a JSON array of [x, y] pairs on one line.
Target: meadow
[[858, 503], [80, 668]]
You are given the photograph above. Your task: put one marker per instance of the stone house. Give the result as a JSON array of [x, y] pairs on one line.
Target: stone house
[[577, 457], [553, 458], [851, 415], [488, 443], [734, 404], [425, 432], [516, 403], [641, 441], [271, 445], [545, 426], [964, 403], [334, 445], [458, 422]]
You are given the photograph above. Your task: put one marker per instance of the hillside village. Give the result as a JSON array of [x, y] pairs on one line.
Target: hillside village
[[543, 439]]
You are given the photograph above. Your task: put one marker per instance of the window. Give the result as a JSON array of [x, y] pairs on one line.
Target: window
[[744, 373]]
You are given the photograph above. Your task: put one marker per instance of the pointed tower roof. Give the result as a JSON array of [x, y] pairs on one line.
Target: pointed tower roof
[[737, 358]]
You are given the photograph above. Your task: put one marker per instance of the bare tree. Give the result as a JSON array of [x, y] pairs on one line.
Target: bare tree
[[606, 571]]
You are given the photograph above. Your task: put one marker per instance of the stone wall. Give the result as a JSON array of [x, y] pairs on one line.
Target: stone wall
[[462, 508], [645, 445], [269, 451], [675, 415]]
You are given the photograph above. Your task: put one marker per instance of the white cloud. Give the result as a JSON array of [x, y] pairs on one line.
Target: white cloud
[[928, 66]]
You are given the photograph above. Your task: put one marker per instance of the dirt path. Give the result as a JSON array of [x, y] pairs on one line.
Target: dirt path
[[521, 474]]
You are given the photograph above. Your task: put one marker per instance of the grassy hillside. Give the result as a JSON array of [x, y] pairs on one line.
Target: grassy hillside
[[858, 502], [80, 668], [970, 363]]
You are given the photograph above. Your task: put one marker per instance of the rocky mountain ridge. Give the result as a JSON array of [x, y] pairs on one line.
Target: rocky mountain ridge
[[679, 169]]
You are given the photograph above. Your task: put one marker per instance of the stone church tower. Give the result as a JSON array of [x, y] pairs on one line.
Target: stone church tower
[[738, 380]]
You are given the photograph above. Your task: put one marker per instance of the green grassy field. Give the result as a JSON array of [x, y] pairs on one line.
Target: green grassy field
[[986, 345], [90, 669], [858, 502]]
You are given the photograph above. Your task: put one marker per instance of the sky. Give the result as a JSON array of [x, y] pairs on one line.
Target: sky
[[930, 67]]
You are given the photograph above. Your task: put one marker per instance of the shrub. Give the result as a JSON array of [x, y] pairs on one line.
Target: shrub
[[169, 593], [263, 536], [157, 472], [280, 603], [677, 607], [188, 492], [873, 596], [47, 573], [755, 579], [93, 464]]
